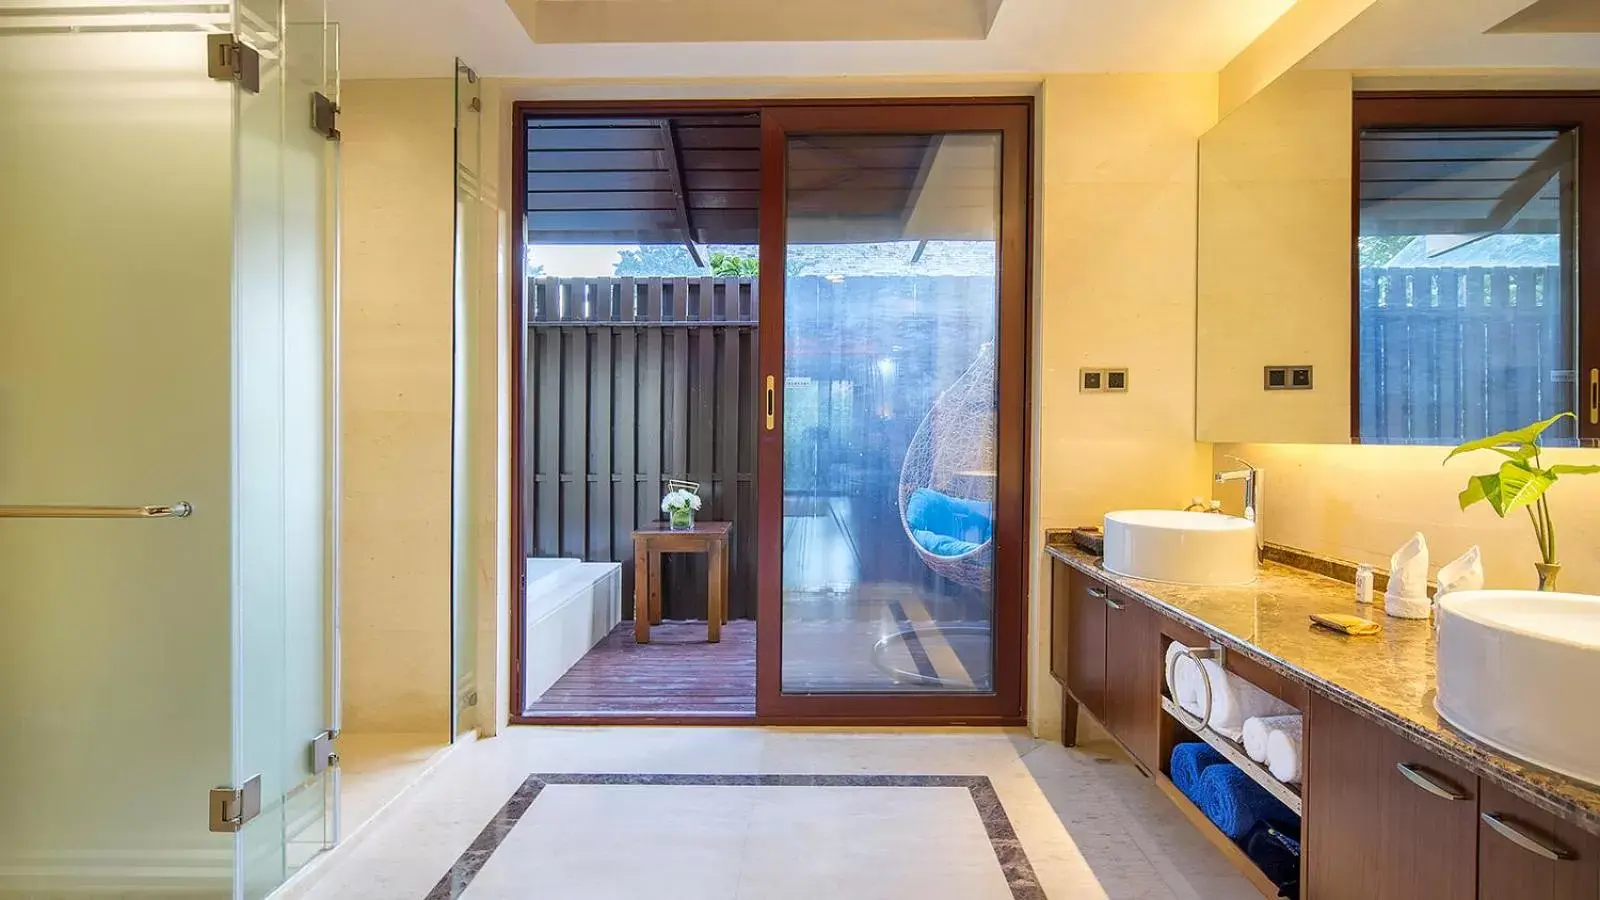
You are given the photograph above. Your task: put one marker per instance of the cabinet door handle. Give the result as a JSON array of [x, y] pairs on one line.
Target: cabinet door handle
[[1098, 593], [1429, 783], [1525, 840], [1114, 604]]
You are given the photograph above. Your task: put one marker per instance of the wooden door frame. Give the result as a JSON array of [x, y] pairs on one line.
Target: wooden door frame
[[1012, 118]]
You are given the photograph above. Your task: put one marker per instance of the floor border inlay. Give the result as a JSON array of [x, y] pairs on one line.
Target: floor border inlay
[[1008, 851]]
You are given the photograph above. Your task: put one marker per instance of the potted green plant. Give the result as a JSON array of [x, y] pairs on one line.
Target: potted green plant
[[1521, 483]]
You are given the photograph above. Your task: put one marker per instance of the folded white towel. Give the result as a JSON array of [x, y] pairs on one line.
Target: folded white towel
[[1464, 573], [1407, 597], [1233, 700], [1257, 729], [1184, 681], [1283, 751]]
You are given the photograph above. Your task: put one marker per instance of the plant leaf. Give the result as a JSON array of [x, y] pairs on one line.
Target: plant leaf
[[1517, 485], [1525, 438], [1573, 470], [1478, 488]]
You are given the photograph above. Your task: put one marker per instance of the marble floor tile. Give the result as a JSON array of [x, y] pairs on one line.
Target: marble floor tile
[[1089, 824]]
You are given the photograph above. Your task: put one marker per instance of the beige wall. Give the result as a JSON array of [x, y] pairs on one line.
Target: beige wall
[[1361, 503], [397, 235], [1274, 263], [1116, 184]]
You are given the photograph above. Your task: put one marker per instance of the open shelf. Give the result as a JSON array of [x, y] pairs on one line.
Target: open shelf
[[1289, 794]]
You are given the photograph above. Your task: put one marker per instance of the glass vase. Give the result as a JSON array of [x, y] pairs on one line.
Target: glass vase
[[681, 519]]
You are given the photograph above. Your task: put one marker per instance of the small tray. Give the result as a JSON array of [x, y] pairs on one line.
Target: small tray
[[1089, 540]]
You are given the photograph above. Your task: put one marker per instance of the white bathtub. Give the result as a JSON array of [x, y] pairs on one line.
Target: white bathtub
[[572, 605]]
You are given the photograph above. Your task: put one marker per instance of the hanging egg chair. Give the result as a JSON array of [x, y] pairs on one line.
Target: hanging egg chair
[[947, 510], [947, 480]]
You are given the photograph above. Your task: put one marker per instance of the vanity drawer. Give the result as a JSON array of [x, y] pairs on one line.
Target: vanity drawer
[[1527, 853], [1384, 818]]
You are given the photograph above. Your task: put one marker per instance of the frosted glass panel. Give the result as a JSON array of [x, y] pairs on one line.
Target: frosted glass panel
[[468, 250], [115, 273]]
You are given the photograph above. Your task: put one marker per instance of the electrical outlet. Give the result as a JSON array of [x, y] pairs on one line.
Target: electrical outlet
[[1286, 378], [1117, 380]]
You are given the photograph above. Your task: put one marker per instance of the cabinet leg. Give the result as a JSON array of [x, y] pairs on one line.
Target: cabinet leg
[[1069, 720]]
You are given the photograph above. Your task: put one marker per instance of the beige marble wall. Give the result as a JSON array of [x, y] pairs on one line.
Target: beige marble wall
[[1274, 256], [397, 235], [1116, 184], [1361, 503]]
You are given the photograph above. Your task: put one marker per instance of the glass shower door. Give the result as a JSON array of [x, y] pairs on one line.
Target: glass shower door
[[115, 271], [162, 287], [898, 489]]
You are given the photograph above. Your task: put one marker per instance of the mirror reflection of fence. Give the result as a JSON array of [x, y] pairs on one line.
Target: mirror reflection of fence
[[1418, 251]]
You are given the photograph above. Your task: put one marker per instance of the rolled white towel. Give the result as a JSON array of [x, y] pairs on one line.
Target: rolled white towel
[[1184, 683], [1256, 731], [1233, 700], [1283, 751]]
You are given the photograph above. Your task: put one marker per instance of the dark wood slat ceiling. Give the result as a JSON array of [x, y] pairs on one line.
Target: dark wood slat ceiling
[[1461, 182], [593, 181]]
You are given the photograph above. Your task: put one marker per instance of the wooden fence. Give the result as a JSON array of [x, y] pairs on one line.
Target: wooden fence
[[1453, 354], [631, 382]]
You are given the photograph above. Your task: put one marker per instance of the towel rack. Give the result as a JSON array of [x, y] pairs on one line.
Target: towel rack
[[178, 510], [1214, 652]]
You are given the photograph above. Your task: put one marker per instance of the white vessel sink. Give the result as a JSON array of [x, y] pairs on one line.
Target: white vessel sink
[[1203, 549], [1518, 671]]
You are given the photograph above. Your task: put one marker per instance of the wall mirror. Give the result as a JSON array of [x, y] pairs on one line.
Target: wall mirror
[[1399, 238]]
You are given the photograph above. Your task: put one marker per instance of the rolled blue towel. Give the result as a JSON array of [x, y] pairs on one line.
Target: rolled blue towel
[[1235, 804], [1188, 761]]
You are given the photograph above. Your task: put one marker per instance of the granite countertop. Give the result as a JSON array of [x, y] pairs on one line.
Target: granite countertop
[[1388, 677]]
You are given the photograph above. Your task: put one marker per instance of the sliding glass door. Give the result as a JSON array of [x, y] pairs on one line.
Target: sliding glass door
[[893, 366]]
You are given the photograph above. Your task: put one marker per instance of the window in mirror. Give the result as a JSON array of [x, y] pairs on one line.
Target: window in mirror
[[1467, 296]]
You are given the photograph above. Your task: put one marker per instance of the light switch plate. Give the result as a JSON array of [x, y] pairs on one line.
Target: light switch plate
[[1091, 381], [1286, 378]]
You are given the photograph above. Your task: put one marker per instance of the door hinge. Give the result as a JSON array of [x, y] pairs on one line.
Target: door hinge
[[233, 807], [323, 753], [230, 59], [324, 116]]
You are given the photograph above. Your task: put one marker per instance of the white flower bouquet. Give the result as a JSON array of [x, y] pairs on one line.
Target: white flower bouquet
[[680, 506]]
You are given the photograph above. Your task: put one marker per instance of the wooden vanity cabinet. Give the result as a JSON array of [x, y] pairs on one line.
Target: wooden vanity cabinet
[[1083, 616], [1132, 694], [1105, 650], [1515, 843], [1375, 831]]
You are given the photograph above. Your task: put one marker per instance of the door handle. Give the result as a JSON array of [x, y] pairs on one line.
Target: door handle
[[1523, 839], [772, 403], [1429, 783], [174, 511], [1594, 396]]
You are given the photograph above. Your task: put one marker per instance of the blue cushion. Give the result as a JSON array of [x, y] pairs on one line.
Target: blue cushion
[[946, 525]]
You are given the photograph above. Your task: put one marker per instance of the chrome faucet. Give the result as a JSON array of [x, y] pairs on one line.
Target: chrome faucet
[[1251, 476]]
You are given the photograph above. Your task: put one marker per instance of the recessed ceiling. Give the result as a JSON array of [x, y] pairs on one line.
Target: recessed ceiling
[[1450, 34], [419, 38], [1554, 17], [719, 21]]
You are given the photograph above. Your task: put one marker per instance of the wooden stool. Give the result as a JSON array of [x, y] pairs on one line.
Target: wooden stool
[[649, 542]]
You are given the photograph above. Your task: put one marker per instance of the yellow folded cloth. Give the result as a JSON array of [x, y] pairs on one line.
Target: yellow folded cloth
[[1346, 624]]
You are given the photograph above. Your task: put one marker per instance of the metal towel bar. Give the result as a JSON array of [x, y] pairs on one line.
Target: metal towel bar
[[175, 511]]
